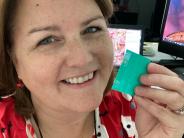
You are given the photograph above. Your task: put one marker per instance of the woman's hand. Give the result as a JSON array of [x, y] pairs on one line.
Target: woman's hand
[[155, 116]]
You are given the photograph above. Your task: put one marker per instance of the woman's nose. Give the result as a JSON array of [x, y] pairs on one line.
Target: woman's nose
[[80, 54]]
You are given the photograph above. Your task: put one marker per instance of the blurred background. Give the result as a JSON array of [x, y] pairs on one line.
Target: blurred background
[[147, 13]]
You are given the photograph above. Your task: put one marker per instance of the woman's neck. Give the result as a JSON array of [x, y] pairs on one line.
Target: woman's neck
[[71, 125]]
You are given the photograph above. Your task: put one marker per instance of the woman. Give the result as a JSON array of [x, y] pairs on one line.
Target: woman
[[56, 61]]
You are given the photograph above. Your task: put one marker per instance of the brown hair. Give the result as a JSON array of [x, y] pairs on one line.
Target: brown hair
[[8, 75]]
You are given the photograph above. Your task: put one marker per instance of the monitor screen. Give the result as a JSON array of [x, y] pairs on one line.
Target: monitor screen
[[125, 37], [172, 40]]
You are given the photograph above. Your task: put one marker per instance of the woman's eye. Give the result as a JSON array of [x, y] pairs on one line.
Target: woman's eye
[[92, 29], [48, 40]]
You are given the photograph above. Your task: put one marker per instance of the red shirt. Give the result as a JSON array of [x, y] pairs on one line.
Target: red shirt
[[114, 118]]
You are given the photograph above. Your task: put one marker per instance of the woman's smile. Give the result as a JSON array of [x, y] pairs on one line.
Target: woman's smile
[[81, 80]]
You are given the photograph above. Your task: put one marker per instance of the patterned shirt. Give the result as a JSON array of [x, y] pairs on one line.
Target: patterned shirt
[[114, 118]]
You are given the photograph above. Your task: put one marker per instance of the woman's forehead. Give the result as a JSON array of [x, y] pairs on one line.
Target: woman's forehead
[[50, 3], [65, 13], [66, 8]]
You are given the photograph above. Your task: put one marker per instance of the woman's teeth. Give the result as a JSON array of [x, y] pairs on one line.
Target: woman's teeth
[[81, 79]]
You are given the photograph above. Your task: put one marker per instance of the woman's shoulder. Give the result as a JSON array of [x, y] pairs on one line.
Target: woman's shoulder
[[11, 123]]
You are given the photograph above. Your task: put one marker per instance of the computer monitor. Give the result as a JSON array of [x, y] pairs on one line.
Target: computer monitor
[[125, 37], [172, 39], [156, 19]]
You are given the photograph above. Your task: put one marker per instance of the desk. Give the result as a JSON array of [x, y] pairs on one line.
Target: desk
[[177, 68], [157, 55]]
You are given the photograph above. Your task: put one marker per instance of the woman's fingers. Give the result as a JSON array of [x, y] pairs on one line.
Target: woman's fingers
[[170, 88], [171, 83], [172, 99], [164, 115], [158, 69], [171, 92], [161, 100], [141, 114]]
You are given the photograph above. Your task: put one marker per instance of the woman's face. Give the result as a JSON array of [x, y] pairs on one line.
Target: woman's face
[[63, 53]]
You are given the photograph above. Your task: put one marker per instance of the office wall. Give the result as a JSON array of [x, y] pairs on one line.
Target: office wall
[[145, 9]]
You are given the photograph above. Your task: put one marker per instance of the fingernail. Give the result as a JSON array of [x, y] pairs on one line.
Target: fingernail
[[136, 98], [142, 78], [137, 90]]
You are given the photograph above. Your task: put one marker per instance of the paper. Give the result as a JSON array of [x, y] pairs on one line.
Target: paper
[[128, 76]]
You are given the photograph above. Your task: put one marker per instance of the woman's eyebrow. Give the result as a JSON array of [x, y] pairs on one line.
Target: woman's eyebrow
[[44, 28], [57, 28], [92, 19]]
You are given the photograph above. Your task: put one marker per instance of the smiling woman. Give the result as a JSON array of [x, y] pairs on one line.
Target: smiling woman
[[56, 72], [9, 76], [75, 73]]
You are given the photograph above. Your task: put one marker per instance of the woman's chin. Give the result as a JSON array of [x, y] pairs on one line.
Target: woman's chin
[[89, 106]]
